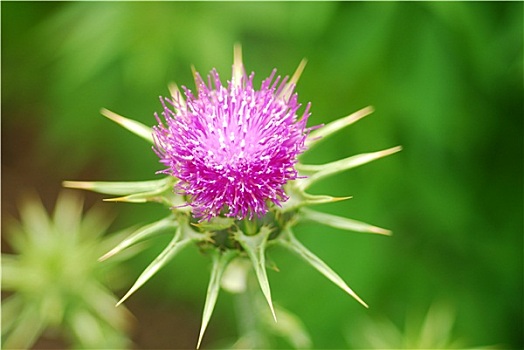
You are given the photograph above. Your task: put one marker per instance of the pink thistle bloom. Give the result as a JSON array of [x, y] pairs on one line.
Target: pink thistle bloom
[[232, 148]]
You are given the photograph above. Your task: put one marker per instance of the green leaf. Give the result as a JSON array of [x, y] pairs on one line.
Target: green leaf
[[121, 188], [255, 247], [436, 330], [35, 220], [321, 171], [102, 302], [87, 329], [29, 326], [141, 234], [135, 127], [15, 234], [288, 240], [341, 222], [319, 135], [11, 307], [95, 222], [52, 307], [184, 235], [67, 214], [11, 269], [220, 262]]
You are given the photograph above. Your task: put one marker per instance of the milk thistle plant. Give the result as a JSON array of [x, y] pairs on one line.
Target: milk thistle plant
[[54, 281], [233, 181]]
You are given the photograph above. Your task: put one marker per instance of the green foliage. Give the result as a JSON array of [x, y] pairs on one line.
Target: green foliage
[[56, 281], [433, 331]]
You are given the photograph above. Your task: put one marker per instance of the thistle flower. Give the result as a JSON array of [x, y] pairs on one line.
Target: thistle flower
[[232, 148], [55, 280], [231, 156]]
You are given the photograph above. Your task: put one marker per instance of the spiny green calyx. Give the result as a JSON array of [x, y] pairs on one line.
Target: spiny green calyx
[[228, 237]]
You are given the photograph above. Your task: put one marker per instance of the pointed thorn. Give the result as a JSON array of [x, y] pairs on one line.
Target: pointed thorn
[[237, 64], [124, 298], [267, 295], [76, 184], [343, 198], [364, 304], [298, 72], [116, 199], [338, 199], [135, 127], [106, 256], [389, 151], [273, 312], [111, 115], [124, 199], [196, 77], [173, 89], [381, 231], [356, 116], [355, 296], [318, 135], [237, 54], [288, 89], [199, 341], [361, 113]]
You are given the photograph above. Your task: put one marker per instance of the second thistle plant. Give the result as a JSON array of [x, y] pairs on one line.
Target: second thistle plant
[[234, 184], [54, 280]]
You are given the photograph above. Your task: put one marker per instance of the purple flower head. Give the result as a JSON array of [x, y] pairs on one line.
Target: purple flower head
[[232, 147]]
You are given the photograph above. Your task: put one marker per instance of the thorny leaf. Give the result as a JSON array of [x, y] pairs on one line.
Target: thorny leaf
[[220, 262], [255, 247], [135, 127], [289, 241]]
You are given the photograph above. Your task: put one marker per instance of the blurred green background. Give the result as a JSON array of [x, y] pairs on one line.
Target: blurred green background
[[445, 79]]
